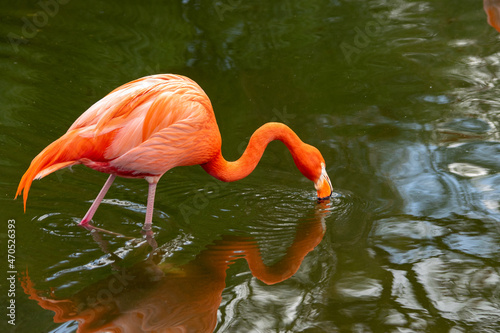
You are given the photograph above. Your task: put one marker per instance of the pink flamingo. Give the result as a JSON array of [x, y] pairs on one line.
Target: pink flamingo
[[148, 126]]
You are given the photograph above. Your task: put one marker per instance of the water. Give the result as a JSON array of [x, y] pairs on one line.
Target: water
[[399, 96]]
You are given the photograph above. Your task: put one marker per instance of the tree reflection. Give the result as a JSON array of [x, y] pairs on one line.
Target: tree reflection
[[155, 296]]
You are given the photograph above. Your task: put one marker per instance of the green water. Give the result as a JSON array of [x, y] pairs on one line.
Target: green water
[[401, 98]]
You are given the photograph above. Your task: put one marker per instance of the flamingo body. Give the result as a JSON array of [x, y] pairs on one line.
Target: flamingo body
[[148, 126]]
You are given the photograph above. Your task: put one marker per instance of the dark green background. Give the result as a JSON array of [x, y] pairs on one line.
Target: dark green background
[[400, 96]]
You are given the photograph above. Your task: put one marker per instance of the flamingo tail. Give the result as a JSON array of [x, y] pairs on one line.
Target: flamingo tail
[[64, 152]]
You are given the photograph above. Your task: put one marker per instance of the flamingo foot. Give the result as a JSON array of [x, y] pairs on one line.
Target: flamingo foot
[[93, 208]]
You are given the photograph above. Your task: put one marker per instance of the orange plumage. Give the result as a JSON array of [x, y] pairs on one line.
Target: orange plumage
[[148, 126], [492, 9]]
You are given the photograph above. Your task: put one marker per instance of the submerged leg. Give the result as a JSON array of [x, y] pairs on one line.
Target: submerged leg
[[86, 219], [151, 202]]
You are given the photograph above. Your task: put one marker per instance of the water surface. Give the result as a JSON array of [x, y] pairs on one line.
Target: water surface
[[401, 98]]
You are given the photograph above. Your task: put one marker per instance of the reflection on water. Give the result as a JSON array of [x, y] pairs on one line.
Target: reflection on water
[[450, 268], [156, 296]]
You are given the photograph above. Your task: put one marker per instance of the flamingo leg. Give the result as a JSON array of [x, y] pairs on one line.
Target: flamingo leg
[[86, 219], [151, 202]]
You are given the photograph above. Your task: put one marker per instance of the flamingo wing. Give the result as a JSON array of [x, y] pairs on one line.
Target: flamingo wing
[[181, 144]]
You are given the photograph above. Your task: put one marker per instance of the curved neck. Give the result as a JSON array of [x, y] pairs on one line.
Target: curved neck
[[232, 171]]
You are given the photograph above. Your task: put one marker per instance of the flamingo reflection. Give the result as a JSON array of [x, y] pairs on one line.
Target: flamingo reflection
[[492, 9], [154, 296]]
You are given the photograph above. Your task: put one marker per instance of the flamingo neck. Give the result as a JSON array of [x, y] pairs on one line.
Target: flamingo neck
[[227, 171]]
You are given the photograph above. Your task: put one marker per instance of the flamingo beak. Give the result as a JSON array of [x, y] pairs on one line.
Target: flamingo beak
[[323, 185]]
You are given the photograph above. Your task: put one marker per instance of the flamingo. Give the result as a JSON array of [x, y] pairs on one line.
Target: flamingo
[[492, 9], [150, 125]]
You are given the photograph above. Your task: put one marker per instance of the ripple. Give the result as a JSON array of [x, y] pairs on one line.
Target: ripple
[[403, 291], [358, 288], [479, 154], [461, 289], [462, 42], [489, 187], [439, 99], [467, 170], [401, 238], [462, 130], [470, 125], [484, 245]]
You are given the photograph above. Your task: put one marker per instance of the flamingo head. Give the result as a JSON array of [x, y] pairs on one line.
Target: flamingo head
[[312, 165], [323, 185]]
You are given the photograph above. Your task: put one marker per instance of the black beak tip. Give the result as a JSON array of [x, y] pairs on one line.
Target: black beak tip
[[323, 199]]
